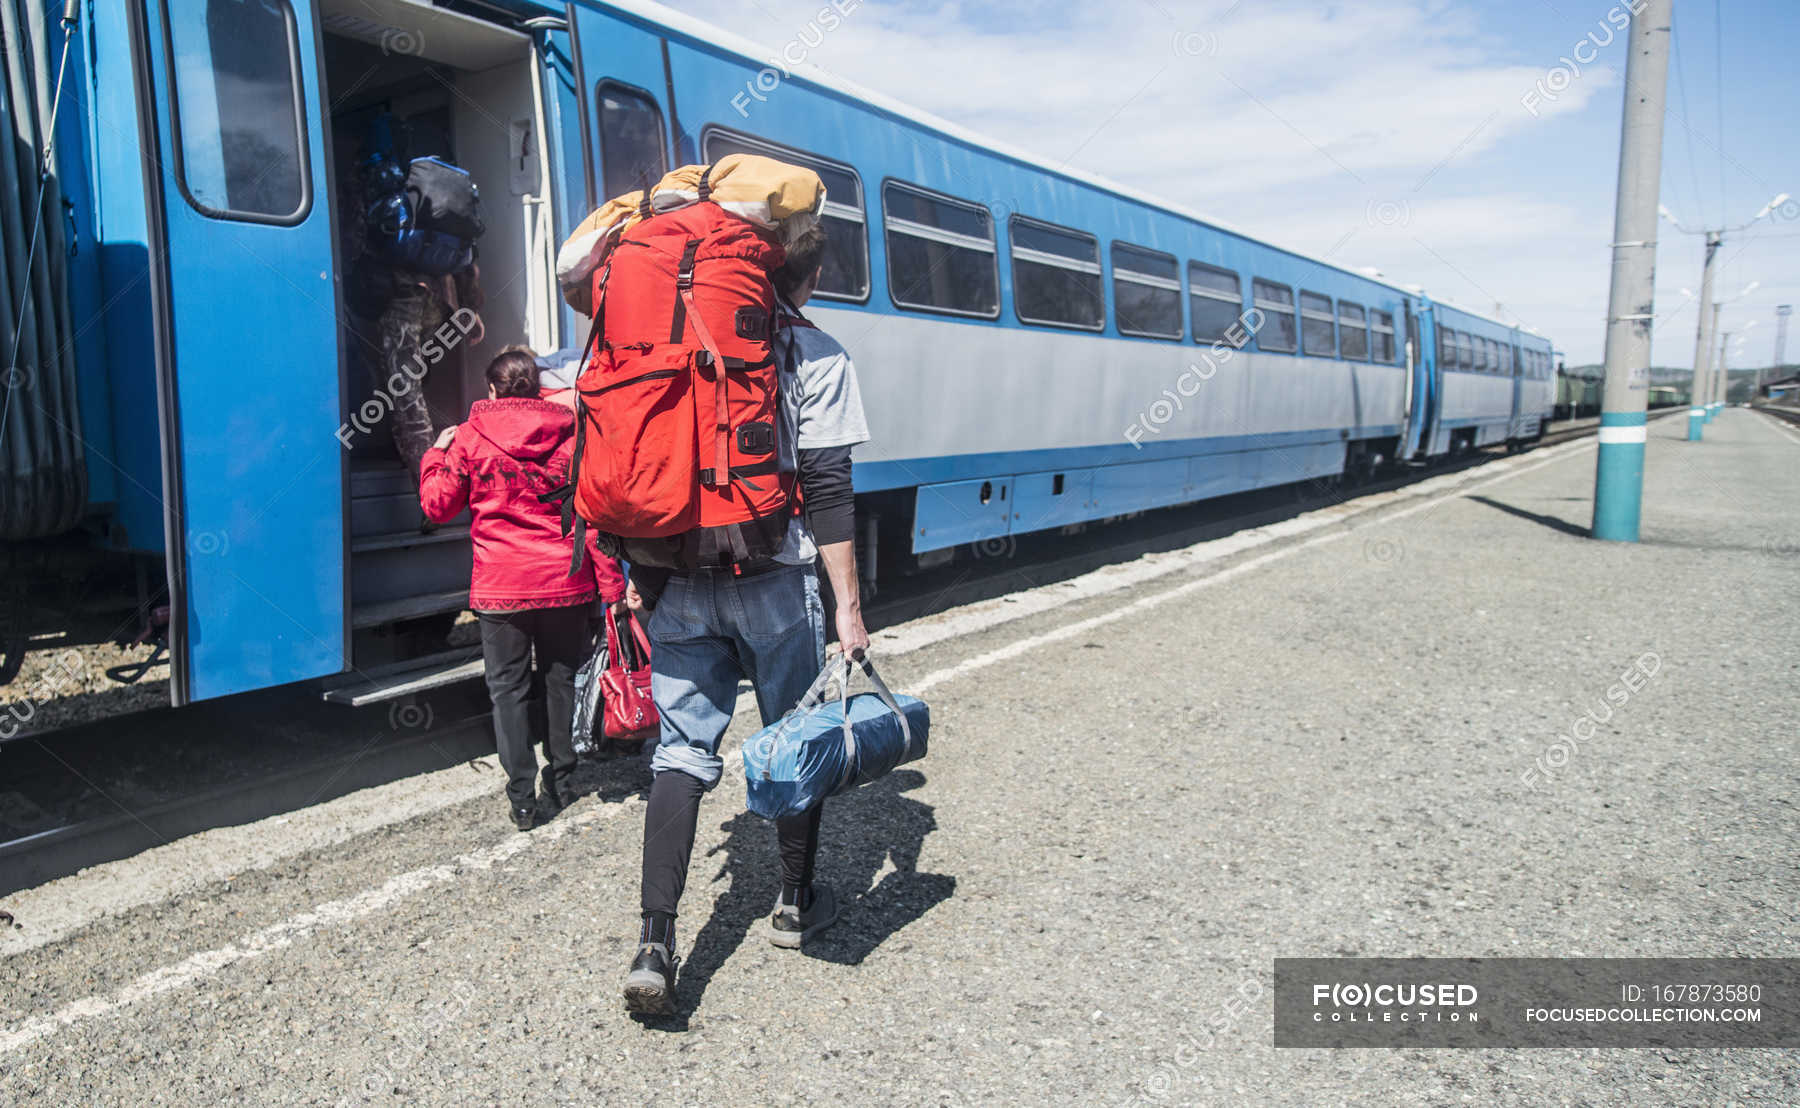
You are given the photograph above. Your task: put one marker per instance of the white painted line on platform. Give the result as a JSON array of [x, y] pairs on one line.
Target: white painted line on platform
[[61, 907], [1780, 427], [285, 933], [276, 936]]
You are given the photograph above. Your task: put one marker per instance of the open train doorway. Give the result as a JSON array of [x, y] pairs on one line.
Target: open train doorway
[[405, 80]]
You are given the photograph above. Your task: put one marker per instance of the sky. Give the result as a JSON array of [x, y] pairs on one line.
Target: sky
[[1466, 147]]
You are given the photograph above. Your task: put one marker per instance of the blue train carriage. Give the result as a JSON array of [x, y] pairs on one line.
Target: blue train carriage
[[1498, 382], [1037, 348]]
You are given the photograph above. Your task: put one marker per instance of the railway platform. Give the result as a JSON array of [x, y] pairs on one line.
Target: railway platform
[[1436, 721]]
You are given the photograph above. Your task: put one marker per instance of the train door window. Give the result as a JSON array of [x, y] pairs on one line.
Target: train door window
[[1215, 301], [1318, 326], [940, 252], [845, 272], [240, 137], [1056, 275], [1353, 332], [1276, 302], [1146, 292], [634, 153], [1383, 328]]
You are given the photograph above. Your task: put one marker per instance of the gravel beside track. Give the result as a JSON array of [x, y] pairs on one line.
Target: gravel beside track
[[1114, 834]]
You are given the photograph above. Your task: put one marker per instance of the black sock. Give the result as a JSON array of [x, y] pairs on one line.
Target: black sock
[[798, 897], [659, 927]]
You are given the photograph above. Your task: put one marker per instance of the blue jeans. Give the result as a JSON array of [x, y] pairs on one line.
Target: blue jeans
[[710, 629]]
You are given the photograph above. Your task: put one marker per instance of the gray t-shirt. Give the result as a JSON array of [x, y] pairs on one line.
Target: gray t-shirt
[[821, 407]]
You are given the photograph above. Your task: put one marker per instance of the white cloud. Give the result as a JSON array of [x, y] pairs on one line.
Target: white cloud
[[1310, 125]]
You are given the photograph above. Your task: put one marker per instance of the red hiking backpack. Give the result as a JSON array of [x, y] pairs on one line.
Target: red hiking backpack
[[676, 461]]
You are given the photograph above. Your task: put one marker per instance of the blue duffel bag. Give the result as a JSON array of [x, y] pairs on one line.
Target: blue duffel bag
[[826, 746]]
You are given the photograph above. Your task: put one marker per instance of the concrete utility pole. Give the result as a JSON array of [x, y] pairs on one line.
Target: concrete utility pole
[[1702, 340], [1619, 470], [1718, 366], [1724, 343], [1707, 396], [1782, 311]]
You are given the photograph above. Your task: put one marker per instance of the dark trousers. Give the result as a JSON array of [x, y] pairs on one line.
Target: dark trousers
[[560, 637], [670, 820]]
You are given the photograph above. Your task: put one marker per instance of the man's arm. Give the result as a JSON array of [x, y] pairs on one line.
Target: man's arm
[[840, 569], [831, 516]]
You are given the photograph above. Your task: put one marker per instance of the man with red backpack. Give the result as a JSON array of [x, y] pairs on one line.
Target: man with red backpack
[[758, 617]]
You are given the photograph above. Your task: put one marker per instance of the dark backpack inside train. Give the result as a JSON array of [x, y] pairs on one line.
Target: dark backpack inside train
[[428, 219]]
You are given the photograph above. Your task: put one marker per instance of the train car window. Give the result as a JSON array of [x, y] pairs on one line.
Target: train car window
[[1385, 348], [1353, 332], [1492, 351], [845, 272], [1446, 348], [1318, 326], [1465, 351], [1215, 300], [1508, 365], [940, 252], [633, 151], [1056, 275], [1484, 355], [1276, 302], [1146, 292], [240, 133]]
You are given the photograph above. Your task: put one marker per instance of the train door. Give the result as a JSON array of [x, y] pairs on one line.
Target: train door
[[245, 313], [1420, 386], [1516, 428], [406, 80], [630, 135]]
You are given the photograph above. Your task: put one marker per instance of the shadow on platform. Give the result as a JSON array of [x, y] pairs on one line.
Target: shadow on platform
[[861, 832], [1552, 522]]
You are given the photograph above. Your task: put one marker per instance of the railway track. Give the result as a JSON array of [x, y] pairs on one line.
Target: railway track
[[261, 754]]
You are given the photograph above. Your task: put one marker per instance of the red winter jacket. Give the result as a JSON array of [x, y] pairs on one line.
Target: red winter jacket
[[508, 452]]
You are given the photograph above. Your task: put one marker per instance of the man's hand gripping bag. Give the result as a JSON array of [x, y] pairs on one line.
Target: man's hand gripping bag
[[825, 746]]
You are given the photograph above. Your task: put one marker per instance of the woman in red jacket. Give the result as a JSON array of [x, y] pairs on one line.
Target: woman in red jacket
[[514, 447]]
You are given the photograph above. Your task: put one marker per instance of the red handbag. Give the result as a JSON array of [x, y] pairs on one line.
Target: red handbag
[[630, 714]]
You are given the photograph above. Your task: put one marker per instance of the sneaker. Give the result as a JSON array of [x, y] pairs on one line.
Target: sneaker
[[650, 986], [789, 926], [524, 816]]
